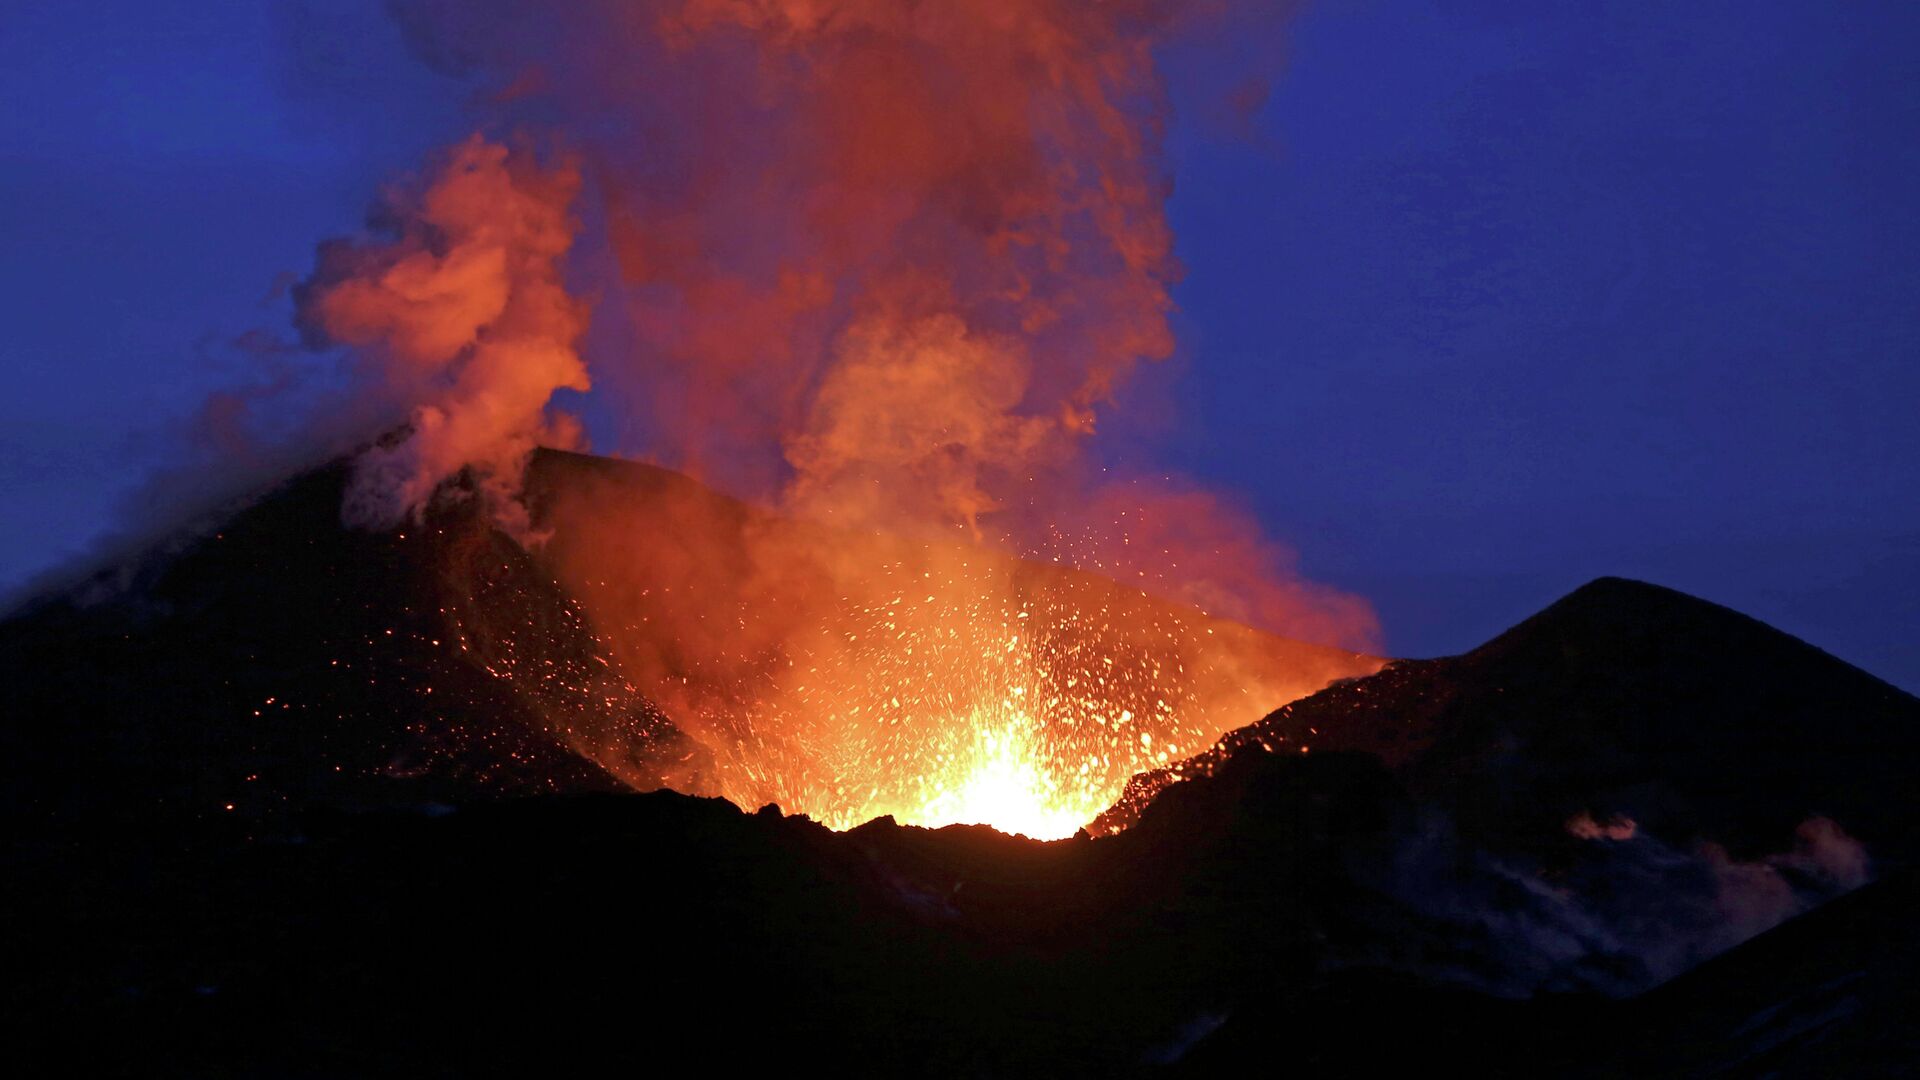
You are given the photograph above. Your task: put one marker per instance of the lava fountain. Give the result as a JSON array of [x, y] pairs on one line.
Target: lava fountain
[[849, 675]]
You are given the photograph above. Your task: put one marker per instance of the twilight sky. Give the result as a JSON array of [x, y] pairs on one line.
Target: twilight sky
[[1494, 298]]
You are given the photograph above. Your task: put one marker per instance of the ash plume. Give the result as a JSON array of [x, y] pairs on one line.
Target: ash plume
[[883, 264]]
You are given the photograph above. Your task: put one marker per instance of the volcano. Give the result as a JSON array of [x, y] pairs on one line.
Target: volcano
[[285, 798], [277, 660]]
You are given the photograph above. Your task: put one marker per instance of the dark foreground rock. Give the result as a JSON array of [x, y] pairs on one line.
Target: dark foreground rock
[[1235, 929]]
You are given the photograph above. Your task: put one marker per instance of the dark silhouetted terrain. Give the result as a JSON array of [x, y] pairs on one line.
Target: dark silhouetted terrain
[[1624, 698], [1548, 856]]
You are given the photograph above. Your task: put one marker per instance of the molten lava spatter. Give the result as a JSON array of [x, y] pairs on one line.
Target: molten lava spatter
[[849, 675], [977, 711], [1004, 780]]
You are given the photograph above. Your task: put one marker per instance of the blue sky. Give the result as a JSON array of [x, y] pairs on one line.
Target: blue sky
[[1498, 297]]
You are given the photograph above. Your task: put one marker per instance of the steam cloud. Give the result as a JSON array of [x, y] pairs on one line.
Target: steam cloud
[[876, 263], [891, 257], [1627, 911], [879, 262], [462, 304]]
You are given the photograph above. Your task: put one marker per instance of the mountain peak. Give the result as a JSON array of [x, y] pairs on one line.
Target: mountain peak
[[1621, 697]]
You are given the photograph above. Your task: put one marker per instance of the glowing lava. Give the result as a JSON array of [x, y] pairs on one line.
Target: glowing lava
[[1006, 783], [849, 675], [952, 692]]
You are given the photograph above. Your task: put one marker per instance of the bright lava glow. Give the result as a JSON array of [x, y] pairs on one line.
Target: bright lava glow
[[1002, 783], [934, 684]]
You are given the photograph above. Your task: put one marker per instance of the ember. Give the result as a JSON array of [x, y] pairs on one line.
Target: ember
[[847, 676]]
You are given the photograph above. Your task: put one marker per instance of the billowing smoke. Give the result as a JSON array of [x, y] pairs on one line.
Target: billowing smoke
[[457, 330], [880, 259], [460, 302], [1585, 827], [1756, 896], [921, 243]]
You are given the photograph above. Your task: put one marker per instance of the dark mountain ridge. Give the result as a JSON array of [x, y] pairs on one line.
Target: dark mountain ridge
[[1623, 699], [1417, 890]]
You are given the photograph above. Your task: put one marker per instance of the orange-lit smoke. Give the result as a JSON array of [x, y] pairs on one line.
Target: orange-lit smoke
[[847, 673], [462, 305], [904, 249], [880, 265]]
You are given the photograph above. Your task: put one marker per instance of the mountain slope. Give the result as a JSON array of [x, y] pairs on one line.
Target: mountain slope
[[282, 661], [255, 825], [1416, 899], [1624, 699], [277, 662], [1827, 994]]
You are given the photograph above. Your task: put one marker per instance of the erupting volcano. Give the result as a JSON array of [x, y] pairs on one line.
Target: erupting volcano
[[850, 675], [895, 341], [694, 588]]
